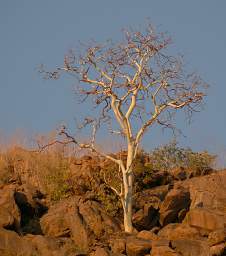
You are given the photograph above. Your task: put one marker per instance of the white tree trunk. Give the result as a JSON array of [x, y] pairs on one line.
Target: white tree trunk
[[127, 200]]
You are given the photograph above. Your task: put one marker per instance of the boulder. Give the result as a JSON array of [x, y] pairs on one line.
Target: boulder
[[12, 244], [152, 196], [163, 251], [157, 178], [148, 235], [146, 218], [96, 218], [137, 246], [9, 214], [175, 201], [217, 237], [53, 246], [190, 247], [100, 251], [205, 219], [118, 245], [82, 221], [63, 220], [208, 191], [176, 231], [218, 250]]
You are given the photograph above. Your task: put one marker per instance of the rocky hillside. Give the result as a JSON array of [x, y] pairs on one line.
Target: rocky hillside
[[175, 213]]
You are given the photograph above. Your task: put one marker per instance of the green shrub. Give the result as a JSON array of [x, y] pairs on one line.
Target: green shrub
[[171, 156]]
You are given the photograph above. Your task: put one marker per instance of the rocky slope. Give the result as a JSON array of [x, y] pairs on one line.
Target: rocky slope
[[184, 217]]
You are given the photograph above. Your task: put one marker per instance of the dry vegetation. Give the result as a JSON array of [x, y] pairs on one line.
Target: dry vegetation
[[58, 174]]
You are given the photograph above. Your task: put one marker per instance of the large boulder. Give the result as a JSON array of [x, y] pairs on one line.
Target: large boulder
[[146, 218], [205, 219], [175, 201], [216, 237], [163, 251], [53, 246], [82, 221], [176, 231], [137, 246], [62, 220], [9, 213], [96, 218], [12, 244], [190, 247]]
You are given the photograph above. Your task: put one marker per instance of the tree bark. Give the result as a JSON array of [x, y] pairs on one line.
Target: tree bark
[[128, 189]]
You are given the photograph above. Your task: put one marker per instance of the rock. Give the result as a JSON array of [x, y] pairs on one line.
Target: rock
[[218, 250], [160, 242], [152, 196], [205, 219], [12, 244], [62, 220], [157, 179], [9, 214], [217, 237], [53, 246], [82, 221], [176, 231], [190, 247], [163, 251], [100, 251], [145, 218], [118, 245], [96, 218], [137, 247], [148, 235], [174, 202], [179, 173], [208, 191]]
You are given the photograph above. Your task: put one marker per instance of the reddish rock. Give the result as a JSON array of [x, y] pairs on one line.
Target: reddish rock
[[137, 247], [218, 250], [63, 220], [176, 231], [148, 235], [146, 218], [9, 213], [174, 202], [118, 245], [189, 247], [100, 251], [163, 251], [96, 218], [217, 236], [11, 244], [205, 219]]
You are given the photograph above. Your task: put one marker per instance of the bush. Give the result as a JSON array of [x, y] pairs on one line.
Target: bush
[[171, 156]]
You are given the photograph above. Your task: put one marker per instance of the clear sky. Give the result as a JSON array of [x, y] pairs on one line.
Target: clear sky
[[35, 32]]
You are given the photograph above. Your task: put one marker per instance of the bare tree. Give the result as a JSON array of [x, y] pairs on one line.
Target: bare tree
[[133, 84]]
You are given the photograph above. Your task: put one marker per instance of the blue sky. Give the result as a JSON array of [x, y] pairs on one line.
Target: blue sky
[[35, 32]]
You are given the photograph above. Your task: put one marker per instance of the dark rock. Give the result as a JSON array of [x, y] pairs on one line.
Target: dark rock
[[146, 218], [174, 202]]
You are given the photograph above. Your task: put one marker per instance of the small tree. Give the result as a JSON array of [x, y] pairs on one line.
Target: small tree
[[134, 84]]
